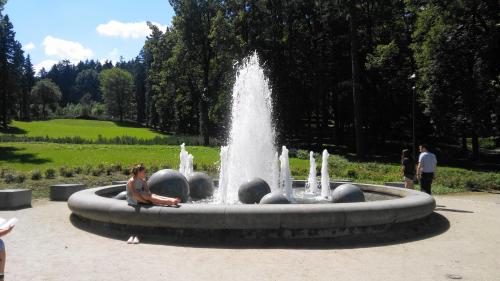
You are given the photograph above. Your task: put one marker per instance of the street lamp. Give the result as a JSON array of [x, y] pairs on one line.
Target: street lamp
[[413, 78]]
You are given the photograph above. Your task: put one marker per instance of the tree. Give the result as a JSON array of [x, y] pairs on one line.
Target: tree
[[46, 94], [116, 87], [456, 49], [64, 75], [11, 64], [29, 82], [87, 82]]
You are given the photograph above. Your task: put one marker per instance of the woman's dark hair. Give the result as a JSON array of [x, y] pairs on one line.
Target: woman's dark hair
[[137, 168], [405, 154]]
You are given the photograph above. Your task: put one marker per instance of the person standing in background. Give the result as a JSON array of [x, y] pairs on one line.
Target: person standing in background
[[407, 168], [426, 168]]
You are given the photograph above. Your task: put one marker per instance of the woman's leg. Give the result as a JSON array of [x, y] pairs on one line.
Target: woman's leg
[[2, 263], [409, 183], [160, 200]]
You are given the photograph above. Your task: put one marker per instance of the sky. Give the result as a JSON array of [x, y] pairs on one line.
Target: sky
[[53, 30]]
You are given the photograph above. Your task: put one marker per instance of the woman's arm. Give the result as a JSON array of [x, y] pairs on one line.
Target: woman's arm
[[5, 231], [146, 187]]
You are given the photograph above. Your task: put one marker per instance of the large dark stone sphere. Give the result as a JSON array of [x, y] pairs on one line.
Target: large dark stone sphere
[[347, 193], [121, 196], [201, 186], [252, 191], [274, 198], [169, 183]]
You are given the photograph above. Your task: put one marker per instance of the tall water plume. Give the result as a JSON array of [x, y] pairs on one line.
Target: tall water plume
[[251, 150], [325, 177], [312, 181]]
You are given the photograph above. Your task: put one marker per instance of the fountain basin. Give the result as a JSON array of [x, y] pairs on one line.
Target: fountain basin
[[95, 205]]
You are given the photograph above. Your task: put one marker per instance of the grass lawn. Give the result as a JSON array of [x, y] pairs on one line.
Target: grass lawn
[[86, 129], [40, 156], [24, 158]]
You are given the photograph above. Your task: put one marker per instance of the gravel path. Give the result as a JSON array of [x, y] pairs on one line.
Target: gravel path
[[460, 241]]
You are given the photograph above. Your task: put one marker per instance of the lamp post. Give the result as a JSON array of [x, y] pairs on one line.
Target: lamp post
[[414, 150]]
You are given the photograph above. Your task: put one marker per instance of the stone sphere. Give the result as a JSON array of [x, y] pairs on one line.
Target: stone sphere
[[201, 186], [347, 193], [274, 198], [169, 183], [121, 196], [252, 191]]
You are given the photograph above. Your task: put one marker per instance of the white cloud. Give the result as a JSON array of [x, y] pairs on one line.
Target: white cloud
[[47, 64], [30, 46], [126, 29], [64, 49], [113, 56]]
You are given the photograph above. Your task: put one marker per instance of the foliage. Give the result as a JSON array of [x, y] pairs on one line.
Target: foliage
[[50, 173], [36, 175], [116, 86], [45, 94]]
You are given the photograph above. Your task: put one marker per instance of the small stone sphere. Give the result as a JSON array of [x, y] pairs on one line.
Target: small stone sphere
[[121, 196], [274, 198], [252, 191], [201, 186], [169, 183], [347, 193]]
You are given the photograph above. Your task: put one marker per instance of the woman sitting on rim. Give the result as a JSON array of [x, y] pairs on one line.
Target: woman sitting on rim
[[138, 190]]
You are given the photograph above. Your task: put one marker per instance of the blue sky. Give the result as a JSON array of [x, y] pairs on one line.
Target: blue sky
[[52, 30]]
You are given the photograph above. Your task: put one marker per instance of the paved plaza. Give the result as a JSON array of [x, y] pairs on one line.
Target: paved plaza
[[461, 240]]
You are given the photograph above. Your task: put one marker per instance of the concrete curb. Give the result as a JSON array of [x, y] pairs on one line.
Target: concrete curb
[[91, 204]]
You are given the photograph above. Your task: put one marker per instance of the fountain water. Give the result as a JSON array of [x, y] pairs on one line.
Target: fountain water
[[251, 149], [222, 192], [186, 162], [325, 178], [285, 175], [312, 181]]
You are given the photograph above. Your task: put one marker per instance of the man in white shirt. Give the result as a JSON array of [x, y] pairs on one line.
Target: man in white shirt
[[426, 168]]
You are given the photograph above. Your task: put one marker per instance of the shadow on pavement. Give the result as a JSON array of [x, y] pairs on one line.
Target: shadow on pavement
[[433, 225]]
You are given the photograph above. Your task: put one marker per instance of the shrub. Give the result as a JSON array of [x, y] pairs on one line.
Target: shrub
[[50, 173], [116, 167], [36, 175], [78, 170], [3, 172], [87, 170], [66, 172], [97, 172], [125, 171], [20, 178], [153, 169], [352, 174], [109, 171], [302, 154], [9, 178]]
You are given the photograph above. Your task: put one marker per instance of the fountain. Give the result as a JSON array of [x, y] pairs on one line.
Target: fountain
[[285, 176], [251, 148], [251, 160], [312, 181], [186, 162], [325, 178]]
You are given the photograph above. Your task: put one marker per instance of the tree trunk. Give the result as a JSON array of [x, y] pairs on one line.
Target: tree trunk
[[475, 145], [464, 142], [355, 76]]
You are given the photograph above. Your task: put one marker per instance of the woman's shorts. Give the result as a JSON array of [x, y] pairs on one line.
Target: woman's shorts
[[2, 246]]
